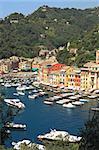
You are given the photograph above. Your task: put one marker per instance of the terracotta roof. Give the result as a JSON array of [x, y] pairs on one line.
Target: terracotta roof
[[57, 67]]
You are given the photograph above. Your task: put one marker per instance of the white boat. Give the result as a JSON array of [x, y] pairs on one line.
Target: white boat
[[2, 83], [29, 144], [15, 84], [73, 138], [59, 135], [54, 135], [14, 102], [69, 105], [78, 103], [16, 94], [21, 88], [67, 95], [35, 91], [29, 87], [63, 101], [42, 93], [96, 92], [16, 126], [33, 96], [48, 102], [21, 93], [17, 144], [92, 96], [76, 97], [8, 85]]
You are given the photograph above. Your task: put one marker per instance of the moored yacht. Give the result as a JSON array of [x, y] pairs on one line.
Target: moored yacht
[[8, 85], [21, 88], [69, 105], [14, 102], [78, 103], [34, 96], [92, 96], [21, 93], [59, 135], [48, 102], [15, 126]]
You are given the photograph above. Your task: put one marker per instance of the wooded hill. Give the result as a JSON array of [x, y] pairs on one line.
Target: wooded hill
[[51, 28]]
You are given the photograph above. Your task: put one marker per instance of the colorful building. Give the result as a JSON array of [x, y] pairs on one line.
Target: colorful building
[[55, 74], [35, 67], [72, 78], [25, 66], [90, 75], [5, 66]]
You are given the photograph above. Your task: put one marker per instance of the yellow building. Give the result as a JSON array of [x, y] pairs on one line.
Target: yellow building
[[54, 78], [72, 78], [90, 76], [45, 74], [5, 67], [25, 65]]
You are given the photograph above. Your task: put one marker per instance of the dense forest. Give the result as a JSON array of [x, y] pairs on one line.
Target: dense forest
[[51, 28]]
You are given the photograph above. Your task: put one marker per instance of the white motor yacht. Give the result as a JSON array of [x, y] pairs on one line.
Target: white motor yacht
[[21, 88], [78, 103], [92, 96], [16, 126], [16, 94], [69, 105], [48, 102], [33, 96], [8, 85], [21, 93], [14, 102]]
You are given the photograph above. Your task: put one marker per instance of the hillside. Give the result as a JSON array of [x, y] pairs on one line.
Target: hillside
[[51, 28]]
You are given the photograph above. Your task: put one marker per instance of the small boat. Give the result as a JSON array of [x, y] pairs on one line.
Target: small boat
[[15, 126], [73, 138], [21, 93], [35, 91], [78, 103], [16, 94], [69, 105], [33, 96], [92, 96], [2, 83], [21, 88], [63, 101], [48, 102], [17, 144], [84, 100], [42, 93], [7, 85], [96, 92], [15, 84]]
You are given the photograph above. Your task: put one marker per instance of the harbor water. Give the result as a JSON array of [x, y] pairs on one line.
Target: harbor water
[[40, 118]]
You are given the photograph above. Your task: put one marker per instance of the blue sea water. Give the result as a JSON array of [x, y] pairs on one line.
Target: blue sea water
[[40, 118]]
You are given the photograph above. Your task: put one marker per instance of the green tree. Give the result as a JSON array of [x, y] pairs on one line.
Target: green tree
[[90, 134]]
